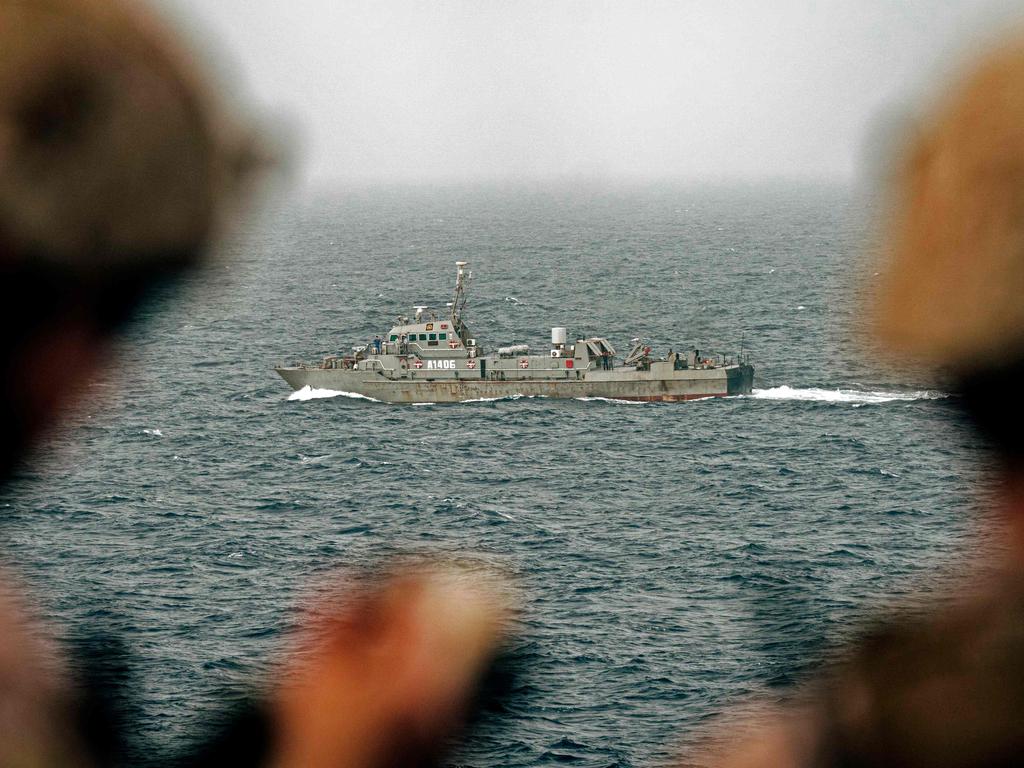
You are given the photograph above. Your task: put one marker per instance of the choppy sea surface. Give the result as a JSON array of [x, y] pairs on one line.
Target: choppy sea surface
[[675, 558]]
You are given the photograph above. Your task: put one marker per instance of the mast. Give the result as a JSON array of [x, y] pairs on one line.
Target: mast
[[459, 301]]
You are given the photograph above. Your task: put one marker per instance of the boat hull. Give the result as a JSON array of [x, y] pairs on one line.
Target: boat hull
[[615, 384]]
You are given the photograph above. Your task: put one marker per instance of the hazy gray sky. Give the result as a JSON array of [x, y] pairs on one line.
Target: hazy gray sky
[[411, 90]]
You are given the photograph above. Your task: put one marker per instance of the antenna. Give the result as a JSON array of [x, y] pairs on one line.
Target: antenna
[[458, 303]]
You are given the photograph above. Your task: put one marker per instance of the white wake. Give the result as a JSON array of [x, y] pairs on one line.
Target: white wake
[[309, 393], [615, 400], [850, 396]]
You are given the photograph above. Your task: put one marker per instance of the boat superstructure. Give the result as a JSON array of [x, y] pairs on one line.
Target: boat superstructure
[[431, 358]]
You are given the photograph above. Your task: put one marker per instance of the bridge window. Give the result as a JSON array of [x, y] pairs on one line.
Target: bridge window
[[394, 337], [423, 337], [442, 336], [432, 337]]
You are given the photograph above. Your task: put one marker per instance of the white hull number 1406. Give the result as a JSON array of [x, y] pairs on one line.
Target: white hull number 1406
[[433, 364]]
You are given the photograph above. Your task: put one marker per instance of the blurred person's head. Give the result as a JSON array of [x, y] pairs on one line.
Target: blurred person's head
[[944, 689], [115, 168], [114, 173], [948, 690]]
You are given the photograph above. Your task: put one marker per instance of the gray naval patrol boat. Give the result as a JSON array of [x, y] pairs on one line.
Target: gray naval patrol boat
[[432, 359]]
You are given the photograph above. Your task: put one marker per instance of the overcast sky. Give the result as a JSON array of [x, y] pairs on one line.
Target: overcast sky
[[423, 91]]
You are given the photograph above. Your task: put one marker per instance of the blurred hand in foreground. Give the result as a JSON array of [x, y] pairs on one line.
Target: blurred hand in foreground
[[390, 679]]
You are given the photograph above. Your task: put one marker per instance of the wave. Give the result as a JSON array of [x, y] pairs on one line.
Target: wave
[[854, 397], [615, 400], [309, 393], [513, 396], [519, 396], [516, 396]]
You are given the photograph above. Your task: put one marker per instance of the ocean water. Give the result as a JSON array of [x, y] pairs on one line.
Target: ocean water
[[674, 558]]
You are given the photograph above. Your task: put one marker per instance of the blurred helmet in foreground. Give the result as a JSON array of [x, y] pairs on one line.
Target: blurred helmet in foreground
[[954, 289], [110, 148]]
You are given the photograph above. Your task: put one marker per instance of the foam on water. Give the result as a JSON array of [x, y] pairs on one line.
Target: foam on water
[[615, 400], [844, 396], [311, 393], [519, 396]]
